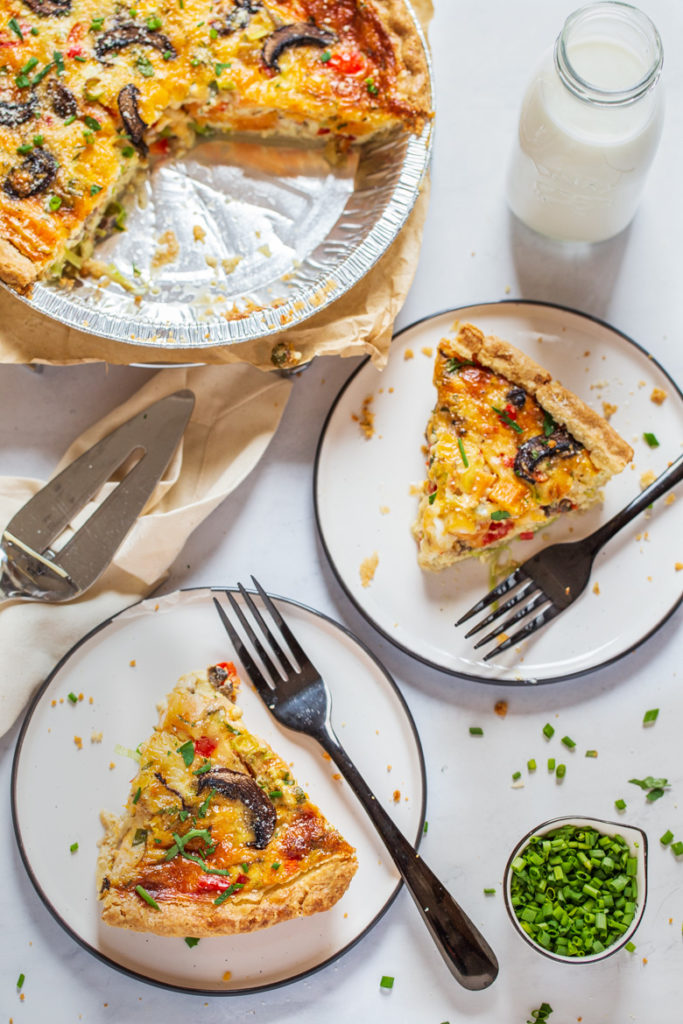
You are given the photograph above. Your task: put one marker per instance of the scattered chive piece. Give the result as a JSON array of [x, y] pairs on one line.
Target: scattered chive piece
[[568, 742], [463, 454], [551, 764], [431, 498], [20, 980], [500, 513], [560, 771], [13, 24], [141, 891], [191, 942], [507, 419], [275, 793], [620, 804], [651, 440], [70, 119], [548, 730], [489, 892], [137, 794], [531, 764], [73, 847], [476, 730], [426, 827], [73, 698], [650, 716], [541, 1014], [677, 848], [54, 202], [516, 775], [630, 946], [573, 890], [666, 838], [591, 753], [386, 982]]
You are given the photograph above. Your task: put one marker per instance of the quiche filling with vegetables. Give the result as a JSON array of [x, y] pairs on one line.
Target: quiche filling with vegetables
[[217, 837], [509, 449], [89, 87]]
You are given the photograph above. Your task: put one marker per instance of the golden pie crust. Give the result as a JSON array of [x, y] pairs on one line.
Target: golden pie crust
[[508, 450], [190, 840]]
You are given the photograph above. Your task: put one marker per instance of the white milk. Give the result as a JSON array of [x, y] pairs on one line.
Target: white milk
[[580, 163]]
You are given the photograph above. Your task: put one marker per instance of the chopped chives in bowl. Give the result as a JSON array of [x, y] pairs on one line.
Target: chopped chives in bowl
[[576, 892]]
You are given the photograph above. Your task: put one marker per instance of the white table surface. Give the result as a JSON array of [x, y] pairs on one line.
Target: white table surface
[[473, 251]]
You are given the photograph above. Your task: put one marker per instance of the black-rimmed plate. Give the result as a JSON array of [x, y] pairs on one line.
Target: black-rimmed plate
[[71, 763], [370, 464]]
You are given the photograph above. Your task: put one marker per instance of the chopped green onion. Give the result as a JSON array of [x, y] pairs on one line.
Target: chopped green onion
[[235, 887], [219, 67], [516, 775], [463, 454], [666, 838], [476, 730], [137, 794], [630, 946], [531, 764], [551, 764], [431, 497], [191, 942], [54, 202], [145, 66], [548, 730], [92, 123], [25, 147], [489, 892], [499, 514], [650, 716], [426, 828], [70, 119], [386, 982], [649, 782], [142, 892], [651, 440], [568, 742], [276, 866], [96, 24], [73, 698], [13, 24], [677, 848], [38, 140], [126, 752], [620, 804], [154, 23], [94, 189], [371, 87], [560, 771], [73, 847], [20, 981], [275, 794], [591, 753], [325, 56]]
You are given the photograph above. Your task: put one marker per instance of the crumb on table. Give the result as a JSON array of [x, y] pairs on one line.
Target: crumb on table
[[501, 708], [199, 233], [78, 740]]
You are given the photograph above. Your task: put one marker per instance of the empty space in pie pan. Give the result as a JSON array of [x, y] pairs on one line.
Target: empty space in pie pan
[[75, 759], [265, 233]]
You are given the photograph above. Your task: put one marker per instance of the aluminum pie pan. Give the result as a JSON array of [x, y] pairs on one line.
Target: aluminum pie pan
[[265, 233]]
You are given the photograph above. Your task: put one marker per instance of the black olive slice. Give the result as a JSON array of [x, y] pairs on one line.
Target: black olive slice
[[128, 33], [237, 786], [46, 8], [559, 444], [130, 115], [236, 19], [32, 176], [300, 33], [13, 113], [62, 99]]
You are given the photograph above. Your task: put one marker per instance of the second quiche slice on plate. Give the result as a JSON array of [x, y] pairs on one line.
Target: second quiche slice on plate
[[509, 450], [216, 838]]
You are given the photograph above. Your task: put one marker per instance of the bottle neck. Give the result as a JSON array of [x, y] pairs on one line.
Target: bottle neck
[[609, 54]]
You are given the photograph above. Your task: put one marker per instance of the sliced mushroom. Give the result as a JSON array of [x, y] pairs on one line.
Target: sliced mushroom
[[217, 677], [46, 8], [237, 786], [130, 115], [32, 176], [300, 33], [62, 99], [14, 112], [559, 444], [236, 19], [516, 397], [128, 33]]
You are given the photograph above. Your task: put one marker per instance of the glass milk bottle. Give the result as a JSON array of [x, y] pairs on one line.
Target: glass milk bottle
[[589, 126]]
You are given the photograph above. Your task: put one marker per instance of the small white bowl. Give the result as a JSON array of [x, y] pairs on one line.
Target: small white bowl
[[637, 842]]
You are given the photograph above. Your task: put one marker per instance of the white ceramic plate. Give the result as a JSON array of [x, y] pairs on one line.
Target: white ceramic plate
[[366, 500], [59, 789]]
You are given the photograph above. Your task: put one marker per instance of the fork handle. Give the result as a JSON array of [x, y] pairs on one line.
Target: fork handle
[[467, 954], [664, 482]]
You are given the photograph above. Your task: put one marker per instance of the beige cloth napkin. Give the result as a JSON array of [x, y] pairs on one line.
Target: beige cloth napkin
[[360, 322], [236, 413]]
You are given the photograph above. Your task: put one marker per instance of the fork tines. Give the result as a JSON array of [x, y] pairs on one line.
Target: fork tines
[[287, 661], [522, 587]]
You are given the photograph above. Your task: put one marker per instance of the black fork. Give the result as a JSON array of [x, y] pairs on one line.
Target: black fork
[[300, 700], [551, 580]]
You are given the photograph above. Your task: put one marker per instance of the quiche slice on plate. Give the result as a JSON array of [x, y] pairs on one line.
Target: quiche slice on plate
[[88, 89], [217, 838], [509, 450]]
